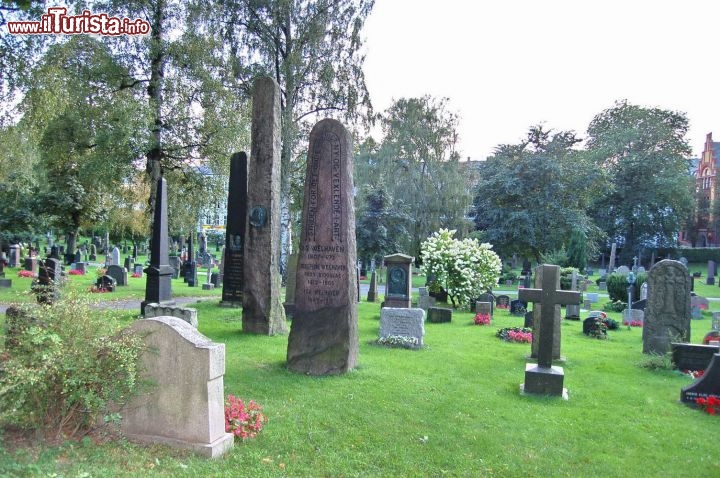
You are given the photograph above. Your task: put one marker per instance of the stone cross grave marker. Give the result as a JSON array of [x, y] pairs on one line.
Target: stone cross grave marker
[[667, 313], [233, 259], [324, 333], [544, 378], [263, 312], [185, 408]]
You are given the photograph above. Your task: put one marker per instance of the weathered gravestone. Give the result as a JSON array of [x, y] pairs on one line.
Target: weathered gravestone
[[93, 253], [667, 313], [290, 286], [711, 271], [47, 286], [263, 312], [518, 307], [403, 322], [693, 356], [706, 386], [398, 284], [439, 315], [572, 311], [14, 260], [138, 271], [115, 257], [233, 260], [324, 334], [543, 377], [425, 301], [536, 323], [158, 284], [106, 283], [191, 265], [484, 308], [373, 289], [175, 263], [697, 305], [503, 301], [185, 408], [186, 314], [118, 273], [487, 297], [644, 291], [623, 270], [208, 285], [31, 264]]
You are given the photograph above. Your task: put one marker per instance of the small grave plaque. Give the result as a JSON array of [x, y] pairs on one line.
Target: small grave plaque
[[693, 356], [518, 307], [404, 322], [438, 315]]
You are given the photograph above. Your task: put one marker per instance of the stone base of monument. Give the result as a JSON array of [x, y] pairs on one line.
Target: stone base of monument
[[544, 381], [207, 286], [5, 282], [533, 359], [160, 310]]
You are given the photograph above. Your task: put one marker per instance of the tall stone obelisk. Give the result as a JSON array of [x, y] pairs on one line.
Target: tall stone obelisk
[[158, 284], [263, 312]]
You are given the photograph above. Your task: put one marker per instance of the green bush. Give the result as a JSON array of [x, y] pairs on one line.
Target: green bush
[[566, 277], [615, 306], [617, 285], [63, 366], [558, 258], [699, 254]]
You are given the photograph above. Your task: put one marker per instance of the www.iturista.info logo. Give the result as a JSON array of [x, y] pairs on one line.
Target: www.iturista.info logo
[[57, 22]]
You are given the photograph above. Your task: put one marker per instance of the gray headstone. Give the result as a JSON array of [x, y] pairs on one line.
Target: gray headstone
[[488, 297], [438, 315], [14, 259], [262, 311], [624, 270], [644, 291], [404, 322], [119, 274], [233, 258], [373, 290], [483, 308], [633, 315], [185, 408], [324, 334], [115, 257], [667, 314], [183, 313]]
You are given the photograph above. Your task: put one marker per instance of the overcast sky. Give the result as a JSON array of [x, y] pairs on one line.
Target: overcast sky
[[506, 65]]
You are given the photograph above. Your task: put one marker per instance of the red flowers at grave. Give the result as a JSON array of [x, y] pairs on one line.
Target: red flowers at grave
[[243, 422], [694, 373], [136, 275], [76, 272], [710, 404], [482, 319], [26, 274], [633, 323]]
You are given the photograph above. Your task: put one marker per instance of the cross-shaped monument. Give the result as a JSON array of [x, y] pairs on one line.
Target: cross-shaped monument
[[544, 378]]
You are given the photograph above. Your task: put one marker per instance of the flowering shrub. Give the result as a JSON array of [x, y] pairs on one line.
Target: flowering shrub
[[615, 306], [482, 319], [464, 268], [515, 334], [710, 404], [243, 422], [596, 329], [26, 274], [399, 341], [76, 272]]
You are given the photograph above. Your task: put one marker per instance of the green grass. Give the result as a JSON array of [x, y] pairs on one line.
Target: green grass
[[460, 391]]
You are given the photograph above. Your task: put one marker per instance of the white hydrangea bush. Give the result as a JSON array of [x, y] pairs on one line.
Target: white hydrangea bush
[[464, 268]]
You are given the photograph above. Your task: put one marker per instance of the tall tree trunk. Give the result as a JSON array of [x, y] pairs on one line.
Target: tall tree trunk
[[155, 97]]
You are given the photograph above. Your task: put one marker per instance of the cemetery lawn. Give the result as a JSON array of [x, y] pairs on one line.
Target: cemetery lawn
[[450, 409]]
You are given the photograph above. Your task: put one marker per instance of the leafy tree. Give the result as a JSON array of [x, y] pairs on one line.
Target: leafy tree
[[87, 141], [464, 268], [645, 152], [533, 195], [418, 166], [380, 227], [577, 250], [313, 50]]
